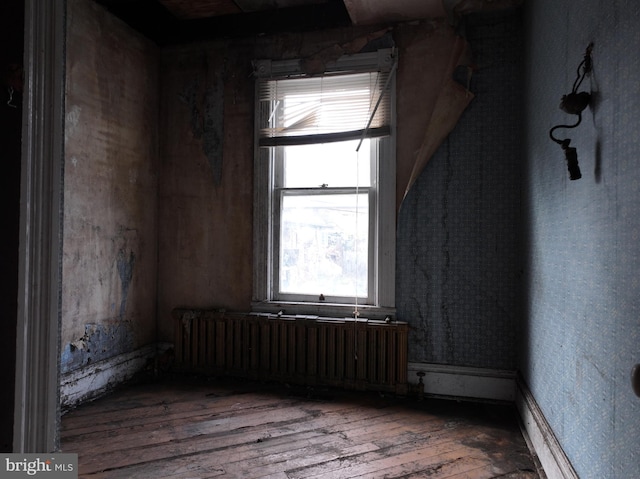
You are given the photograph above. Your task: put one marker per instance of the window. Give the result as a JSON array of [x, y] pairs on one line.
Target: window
[[325, 189]]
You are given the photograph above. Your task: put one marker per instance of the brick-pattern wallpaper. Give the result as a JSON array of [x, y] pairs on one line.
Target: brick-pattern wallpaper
[[582, 336], [458, 258]]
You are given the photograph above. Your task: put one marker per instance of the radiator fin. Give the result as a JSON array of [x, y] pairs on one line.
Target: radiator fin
[[363, 354]]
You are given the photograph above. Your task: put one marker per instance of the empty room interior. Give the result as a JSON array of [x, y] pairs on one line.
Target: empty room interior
[[407, 201]]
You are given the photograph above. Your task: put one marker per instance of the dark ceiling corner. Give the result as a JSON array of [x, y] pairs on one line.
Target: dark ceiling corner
[[292, 19], [148, 17], [154, 21]]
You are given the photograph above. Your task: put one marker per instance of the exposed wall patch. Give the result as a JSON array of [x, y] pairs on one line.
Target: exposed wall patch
[[205, 101], [99, 342], [98, 378], [125, 265]]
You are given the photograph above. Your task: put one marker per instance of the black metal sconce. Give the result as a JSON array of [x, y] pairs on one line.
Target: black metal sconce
[[574, 103]]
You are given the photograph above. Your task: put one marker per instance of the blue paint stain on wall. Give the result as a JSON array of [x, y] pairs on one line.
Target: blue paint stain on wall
[[99, 342], [109, 338]]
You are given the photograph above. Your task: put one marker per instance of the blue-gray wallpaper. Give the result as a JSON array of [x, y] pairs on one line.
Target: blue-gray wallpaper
[[581, 335], [459, 265]]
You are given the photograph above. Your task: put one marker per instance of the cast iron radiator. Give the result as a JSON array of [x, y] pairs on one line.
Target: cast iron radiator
[[363, 354]]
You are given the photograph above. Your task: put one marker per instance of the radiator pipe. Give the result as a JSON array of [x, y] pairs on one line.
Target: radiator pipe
[[420, 375]]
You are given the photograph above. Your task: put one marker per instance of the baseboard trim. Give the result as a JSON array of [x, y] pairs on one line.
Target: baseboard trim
[[464, 382], [542, 440], [96, 379]]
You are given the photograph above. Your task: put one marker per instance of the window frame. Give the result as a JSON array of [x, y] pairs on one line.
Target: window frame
[[381, 297], [279, 192]]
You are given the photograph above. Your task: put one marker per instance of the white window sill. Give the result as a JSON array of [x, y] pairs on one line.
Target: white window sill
[[324, 310]]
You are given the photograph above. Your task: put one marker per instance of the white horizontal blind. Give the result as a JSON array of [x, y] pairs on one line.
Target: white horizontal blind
[[326, 105]]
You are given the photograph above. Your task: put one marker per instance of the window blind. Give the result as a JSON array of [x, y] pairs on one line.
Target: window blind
[[327, 108]]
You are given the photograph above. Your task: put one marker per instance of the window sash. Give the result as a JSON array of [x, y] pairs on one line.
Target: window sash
[[324, 165], [278, 293], [277, 191]]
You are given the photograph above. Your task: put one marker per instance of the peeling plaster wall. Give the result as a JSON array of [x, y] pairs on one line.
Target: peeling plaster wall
[[458, 278], [206, 185], [582, 336], [206, 194], [109, 261]]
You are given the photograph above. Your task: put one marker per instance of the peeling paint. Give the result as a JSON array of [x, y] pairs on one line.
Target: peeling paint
[[317, 63], [94, 380], [109, 253], [72, 119], [111, 337], [206, 106], [99, 342]]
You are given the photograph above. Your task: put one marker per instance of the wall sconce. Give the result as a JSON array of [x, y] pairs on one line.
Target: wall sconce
[[574, 103]]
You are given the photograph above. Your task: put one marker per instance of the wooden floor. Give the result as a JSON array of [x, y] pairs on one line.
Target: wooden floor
[[196, 428]]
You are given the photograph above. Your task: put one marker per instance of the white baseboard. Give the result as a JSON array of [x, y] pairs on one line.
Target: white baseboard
[[464, 382], [542, 440], [94, 380], [499, 385]]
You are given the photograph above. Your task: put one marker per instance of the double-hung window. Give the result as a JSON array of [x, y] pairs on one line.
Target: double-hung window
[[324, 216]]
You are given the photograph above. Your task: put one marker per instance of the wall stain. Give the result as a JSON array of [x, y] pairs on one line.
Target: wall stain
[[110, 337], [206, 108], [444, 305], [99, 342], [125, 271]]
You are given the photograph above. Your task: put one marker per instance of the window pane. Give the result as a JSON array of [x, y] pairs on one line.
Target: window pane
[[329, 164], [323, 245]]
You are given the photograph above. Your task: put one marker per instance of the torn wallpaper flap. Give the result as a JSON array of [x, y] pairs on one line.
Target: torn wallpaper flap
[[432, 54]]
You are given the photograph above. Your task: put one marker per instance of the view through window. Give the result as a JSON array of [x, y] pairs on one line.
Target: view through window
[[324, 214]]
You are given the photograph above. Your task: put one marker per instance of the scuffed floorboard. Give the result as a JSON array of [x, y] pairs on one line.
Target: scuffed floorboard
[[197, 428]]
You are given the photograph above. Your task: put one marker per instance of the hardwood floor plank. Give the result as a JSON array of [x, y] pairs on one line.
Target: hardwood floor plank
[[133, 396], [371, 464], [208, 460], [160, 410], [206, 435], [193, 443], [227, 429], [444, 468], [400, 448], [291, 455], [265, 467], [487, 471], [139, 426]]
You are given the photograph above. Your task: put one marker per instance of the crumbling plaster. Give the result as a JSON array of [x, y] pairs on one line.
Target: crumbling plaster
[[205, 223], [183, 117], [110, 185]]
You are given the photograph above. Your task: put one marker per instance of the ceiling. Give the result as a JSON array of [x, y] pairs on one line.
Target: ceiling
[[179, 21]]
